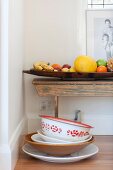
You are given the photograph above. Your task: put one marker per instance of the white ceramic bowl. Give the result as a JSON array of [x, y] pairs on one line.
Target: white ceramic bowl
[[55, 140], [64, 129]]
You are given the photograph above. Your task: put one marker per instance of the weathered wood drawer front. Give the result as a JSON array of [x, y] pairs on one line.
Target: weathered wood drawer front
[[73, 88]]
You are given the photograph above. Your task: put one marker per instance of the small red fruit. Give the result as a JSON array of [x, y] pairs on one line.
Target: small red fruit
[[66, 66]]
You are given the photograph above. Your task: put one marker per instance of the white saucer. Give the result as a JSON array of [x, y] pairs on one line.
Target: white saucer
[[45, 139], [50, 139], [88, 151]]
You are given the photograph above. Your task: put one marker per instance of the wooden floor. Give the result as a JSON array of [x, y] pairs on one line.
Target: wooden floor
[[102, 161]]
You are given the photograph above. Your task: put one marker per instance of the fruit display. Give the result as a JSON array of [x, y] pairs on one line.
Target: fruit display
[[65, 69], [85, 64], [46, 66], [66, 66], [102, 69], [110, 64], [82, 63], [72, 69], [57, 67], [42, 66], [101, 62]]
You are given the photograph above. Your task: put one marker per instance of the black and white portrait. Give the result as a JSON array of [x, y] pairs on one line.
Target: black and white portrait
[[103, 38], [99, 33]]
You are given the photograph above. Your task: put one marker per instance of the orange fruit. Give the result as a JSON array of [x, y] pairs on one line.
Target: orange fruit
[[85, 64], [57, 66], [101, 69]]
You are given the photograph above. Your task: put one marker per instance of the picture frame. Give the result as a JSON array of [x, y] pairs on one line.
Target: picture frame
[[99, 33]]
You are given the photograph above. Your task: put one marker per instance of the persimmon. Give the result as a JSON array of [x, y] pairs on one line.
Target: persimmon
[[101, 69]]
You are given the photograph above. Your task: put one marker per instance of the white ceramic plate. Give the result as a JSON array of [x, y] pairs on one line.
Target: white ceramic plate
[[88, 151], [38, 137], [50, 139]]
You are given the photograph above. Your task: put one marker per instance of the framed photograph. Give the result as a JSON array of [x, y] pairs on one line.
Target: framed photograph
[[99, 33]]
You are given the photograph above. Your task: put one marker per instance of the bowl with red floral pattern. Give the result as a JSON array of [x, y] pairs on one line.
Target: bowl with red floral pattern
[[64, 129]]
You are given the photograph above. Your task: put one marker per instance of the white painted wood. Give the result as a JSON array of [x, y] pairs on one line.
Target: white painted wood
[[4, 73], [12, 119], [9, 152], [15, 141], [5, 157]]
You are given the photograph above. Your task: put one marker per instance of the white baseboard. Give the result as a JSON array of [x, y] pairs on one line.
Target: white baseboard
[[9, 153], [15, 141], [5, 157]]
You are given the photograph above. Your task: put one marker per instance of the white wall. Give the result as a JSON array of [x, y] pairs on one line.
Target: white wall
[[52, 29], [52, 34], [16, 78], [16, 63], [55, 32]]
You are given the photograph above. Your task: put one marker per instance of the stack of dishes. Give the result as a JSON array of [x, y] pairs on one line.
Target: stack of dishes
[[60, 139]]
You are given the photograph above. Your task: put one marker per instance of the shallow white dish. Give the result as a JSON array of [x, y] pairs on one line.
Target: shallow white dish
[[50, 139], [88, 151], [39, 137]]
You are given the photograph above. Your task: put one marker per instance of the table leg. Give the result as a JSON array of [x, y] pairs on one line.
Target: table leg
[[56, 106]]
